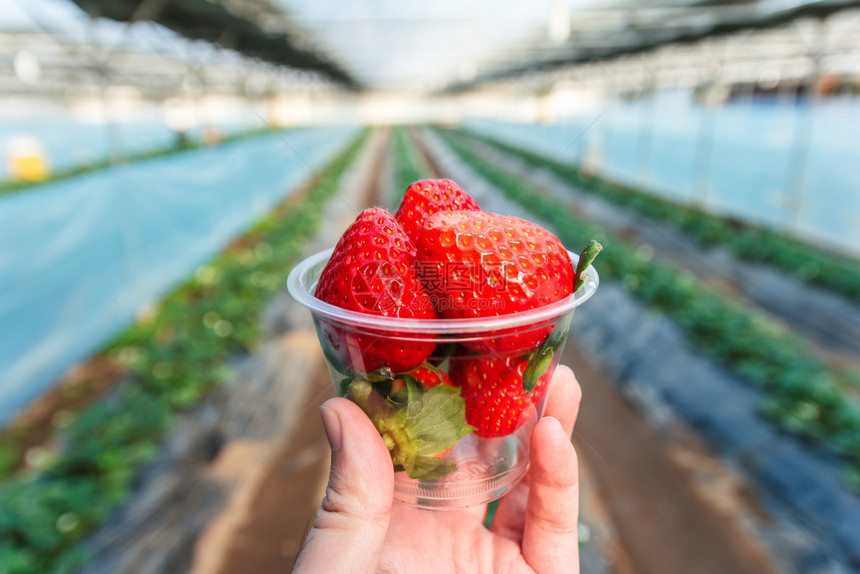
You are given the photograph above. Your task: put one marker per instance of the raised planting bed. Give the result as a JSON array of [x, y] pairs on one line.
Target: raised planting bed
[[813, 515], [172, 359], [802, 393]]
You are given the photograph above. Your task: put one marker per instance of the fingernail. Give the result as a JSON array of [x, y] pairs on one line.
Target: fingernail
[[555, 420], [331, 422]]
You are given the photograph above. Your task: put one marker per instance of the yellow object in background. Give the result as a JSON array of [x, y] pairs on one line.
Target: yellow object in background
[[26, 159]]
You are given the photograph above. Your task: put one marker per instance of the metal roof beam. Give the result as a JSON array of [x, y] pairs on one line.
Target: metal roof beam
[[213, 22], [633, 39]]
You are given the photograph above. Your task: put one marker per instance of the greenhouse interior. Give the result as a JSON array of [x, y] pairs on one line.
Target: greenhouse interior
[[176, 340]]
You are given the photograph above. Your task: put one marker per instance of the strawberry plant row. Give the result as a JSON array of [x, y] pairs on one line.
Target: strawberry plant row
[[746, 241], [172, 360], [407, 167], [803, 396]]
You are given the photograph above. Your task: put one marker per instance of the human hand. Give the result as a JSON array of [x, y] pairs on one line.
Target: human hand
[[360, 529]]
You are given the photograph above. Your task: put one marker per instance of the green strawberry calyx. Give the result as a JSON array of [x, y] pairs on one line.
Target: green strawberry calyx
[[414, 422], [540, 359]]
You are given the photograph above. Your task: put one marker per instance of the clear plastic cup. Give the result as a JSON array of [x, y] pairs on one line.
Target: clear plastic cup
[[467, 470]]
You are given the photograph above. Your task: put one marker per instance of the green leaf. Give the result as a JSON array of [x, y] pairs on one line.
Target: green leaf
[[441, 421], [429, 467], [428, 422], [333, 359], [382, 374], [441, 353], [343, 387], [414, 401], [371, 402]]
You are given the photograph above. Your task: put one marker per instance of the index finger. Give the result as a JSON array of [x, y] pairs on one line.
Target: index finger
[[550, 540], [563, 405], [564, 398]]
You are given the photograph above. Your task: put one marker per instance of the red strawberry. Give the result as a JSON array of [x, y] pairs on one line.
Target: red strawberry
[[496, 404], [428, 196], [427, 376], [479, 264], [371, 271]]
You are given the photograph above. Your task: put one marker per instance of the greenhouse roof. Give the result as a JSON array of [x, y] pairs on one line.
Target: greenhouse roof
[[234, 25], [434, 45], [392, 44]]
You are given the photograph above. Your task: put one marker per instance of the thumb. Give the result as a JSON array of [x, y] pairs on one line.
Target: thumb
[[350, 526], [550, 532]]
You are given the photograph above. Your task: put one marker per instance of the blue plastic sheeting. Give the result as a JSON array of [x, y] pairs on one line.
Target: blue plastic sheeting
[[750, 159], [79, 257], [61, 138]]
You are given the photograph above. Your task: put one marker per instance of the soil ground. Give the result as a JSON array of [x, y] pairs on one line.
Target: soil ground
[[662, 521], [660, 516], [262, 527]]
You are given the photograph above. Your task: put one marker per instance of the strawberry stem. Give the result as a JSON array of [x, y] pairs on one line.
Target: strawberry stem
[[537, 366], [585, 259], [540, 359]]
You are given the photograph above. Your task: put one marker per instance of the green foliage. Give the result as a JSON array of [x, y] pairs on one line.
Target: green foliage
[[174, 359], [8, 457], [803, 395], [408, 168], [800, 260]]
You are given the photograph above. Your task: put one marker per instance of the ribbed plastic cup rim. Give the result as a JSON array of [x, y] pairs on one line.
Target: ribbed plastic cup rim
[[298, 287]]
